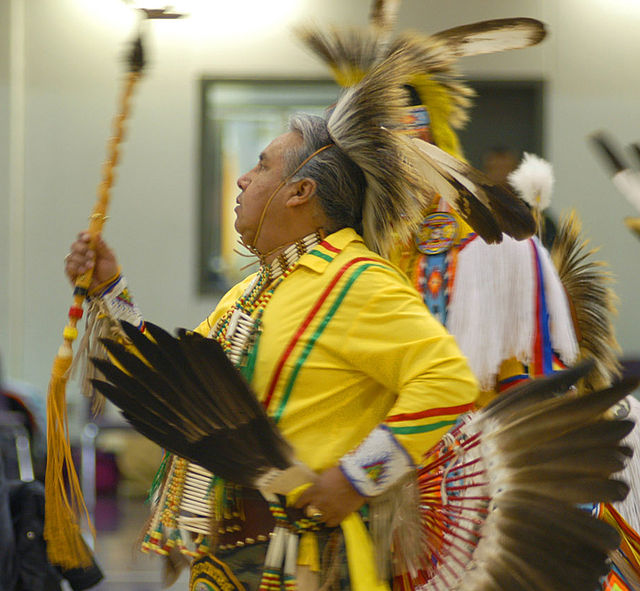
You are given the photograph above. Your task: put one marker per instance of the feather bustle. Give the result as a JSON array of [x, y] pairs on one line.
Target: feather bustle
[[537, 452]]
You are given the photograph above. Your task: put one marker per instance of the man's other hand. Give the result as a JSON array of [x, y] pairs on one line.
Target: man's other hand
[[333, 495]]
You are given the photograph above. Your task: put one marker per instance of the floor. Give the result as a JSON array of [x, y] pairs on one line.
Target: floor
[[118, 522]]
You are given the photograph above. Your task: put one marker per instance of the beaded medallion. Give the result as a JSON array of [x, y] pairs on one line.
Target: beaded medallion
[[437, 233]]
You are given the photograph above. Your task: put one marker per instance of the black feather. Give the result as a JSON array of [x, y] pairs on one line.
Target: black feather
[[184, 394], [532, 392], [476, 214]]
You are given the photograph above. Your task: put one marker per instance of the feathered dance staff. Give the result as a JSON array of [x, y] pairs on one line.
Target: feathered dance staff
[[64, 506]]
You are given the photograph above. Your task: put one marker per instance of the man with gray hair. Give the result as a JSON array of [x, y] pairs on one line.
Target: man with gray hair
[[334, 341]]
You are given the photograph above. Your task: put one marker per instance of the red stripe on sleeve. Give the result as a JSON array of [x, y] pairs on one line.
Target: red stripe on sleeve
[[432, 412]]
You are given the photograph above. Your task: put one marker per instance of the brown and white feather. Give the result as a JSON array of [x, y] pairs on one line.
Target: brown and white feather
[[493, 36], [360, 126]]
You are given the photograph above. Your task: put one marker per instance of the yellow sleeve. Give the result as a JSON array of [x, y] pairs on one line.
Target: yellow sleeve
[[397, 342]]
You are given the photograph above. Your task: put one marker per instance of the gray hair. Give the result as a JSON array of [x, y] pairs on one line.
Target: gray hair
[[340, 183]]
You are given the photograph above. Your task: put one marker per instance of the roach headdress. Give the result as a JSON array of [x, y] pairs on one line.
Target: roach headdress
[[498, 493], [429, 76]]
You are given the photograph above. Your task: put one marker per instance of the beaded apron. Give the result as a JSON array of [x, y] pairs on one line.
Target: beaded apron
[[189, 499]]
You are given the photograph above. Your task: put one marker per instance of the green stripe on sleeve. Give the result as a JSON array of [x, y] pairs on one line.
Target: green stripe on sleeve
[[420, 428]]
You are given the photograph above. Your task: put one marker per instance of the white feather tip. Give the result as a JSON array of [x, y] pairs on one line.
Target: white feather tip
[[533, 180]]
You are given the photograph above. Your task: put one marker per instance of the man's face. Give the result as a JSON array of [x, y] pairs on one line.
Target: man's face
[[258, 185]]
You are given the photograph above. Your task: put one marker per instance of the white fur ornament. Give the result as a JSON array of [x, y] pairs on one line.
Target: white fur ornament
[[533, 180]]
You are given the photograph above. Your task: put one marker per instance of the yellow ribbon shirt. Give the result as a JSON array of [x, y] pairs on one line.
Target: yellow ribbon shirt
[[346, 345]]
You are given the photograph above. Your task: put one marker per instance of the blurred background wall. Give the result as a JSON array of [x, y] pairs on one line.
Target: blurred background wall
[[60, 63]]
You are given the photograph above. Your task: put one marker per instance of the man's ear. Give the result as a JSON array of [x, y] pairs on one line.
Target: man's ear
[[301, 192]]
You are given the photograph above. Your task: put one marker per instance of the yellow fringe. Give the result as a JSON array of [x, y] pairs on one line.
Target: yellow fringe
[[437, 101], [347, 75], [65, 546]]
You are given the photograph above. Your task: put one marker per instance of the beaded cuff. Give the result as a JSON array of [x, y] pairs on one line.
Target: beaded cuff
[[377, 463], [119, 302]]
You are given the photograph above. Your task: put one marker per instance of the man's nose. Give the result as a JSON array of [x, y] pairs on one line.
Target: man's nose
[[243, 181]]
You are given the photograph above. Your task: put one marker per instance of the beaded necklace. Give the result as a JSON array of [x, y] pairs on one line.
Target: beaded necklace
[[239, 328], [187, 499]]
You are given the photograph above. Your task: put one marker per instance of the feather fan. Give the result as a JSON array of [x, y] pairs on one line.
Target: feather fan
[[588, 285], [187, 396], [497, 493]]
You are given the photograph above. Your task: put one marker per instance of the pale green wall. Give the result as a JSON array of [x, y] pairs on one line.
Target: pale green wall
[[4, 181], [72, 67]]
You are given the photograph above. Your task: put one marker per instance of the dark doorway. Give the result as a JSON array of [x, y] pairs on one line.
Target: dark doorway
[[506, 114]]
